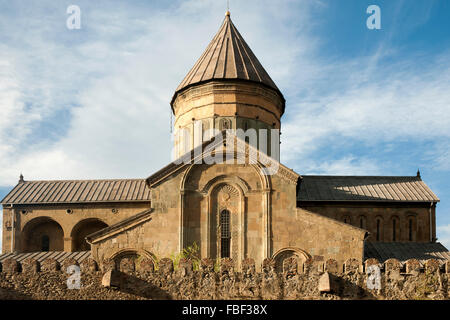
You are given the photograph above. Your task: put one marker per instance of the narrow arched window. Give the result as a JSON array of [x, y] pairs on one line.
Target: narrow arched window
[[45, 243], [347, 219], [362, 222], [394, 226], [225, 234], [410, 228], [378, 229]]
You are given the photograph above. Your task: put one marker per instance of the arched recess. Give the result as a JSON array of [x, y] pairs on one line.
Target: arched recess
[[230, 198], [411, 226], [379, 229], [42, 234], [266, 183], [362, 222], [134, 254], [395, 229], [82, 229], [347, 219], [289, 252], [233, 180], [200, 200]]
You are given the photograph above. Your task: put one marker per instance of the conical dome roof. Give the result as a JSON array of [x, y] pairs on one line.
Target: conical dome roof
[[227, 57]]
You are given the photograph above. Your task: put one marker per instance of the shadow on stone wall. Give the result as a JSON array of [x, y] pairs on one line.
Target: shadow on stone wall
[[313, 279], [347, 289], [133, 285], [12, 294]]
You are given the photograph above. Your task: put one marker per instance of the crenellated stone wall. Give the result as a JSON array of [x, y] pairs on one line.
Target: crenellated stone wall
[[141, 279]]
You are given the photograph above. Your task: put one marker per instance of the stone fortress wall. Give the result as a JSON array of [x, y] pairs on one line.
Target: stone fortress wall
[[130, 279]]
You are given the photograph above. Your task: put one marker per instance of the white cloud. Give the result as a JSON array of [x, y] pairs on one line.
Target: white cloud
[[121, 79], [115, 79], [405, 104], [443, 235], [122, 71], [348, 165]]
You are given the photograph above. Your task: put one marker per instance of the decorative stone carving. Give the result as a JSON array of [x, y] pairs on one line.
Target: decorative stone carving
[[226, 194]]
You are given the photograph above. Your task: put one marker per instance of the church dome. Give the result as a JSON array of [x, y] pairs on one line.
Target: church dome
[[227, 57], [227, 88]]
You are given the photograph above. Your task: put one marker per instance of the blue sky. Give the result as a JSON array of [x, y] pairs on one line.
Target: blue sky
[[94, 103]]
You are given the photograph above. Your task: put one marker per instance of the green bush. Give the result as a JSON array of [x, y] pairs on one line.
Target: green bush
[[191, 253]]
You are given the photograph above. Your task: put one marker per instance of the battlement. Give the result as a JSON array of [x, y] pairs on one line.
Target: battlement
[[145, 279], [166, 265]]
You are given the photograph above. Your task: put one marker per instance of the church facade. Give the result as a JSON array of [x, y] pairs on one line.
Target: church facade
[[235, 207]]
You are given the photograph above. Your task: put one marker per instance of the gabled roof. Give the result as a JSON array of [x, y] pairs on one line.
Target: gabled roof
[[216, 144], [360, 188], [227, 57], [78, 191]]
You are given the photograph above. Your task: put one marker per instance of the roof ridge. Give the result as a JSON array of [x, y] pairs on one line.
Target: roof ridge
[[85, 180], [365, 188], [342, 176], [243, 44], [77, 191], [231, 49], [235, 40]]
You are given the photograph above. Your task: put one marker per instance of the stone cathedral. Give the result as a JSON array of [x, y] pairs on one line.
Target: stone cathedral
[[229, 210]]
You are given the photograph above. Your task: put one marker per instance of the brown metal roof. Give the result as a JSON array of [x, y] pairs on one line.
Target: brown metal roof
[[60, 256], [383, 251], [359, 188], [78, 191], [228, 56]]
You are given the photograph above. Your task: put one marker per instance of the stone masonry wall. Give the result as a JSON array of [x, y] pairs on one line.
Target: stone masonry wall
[[366, 216], [139, 280]]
